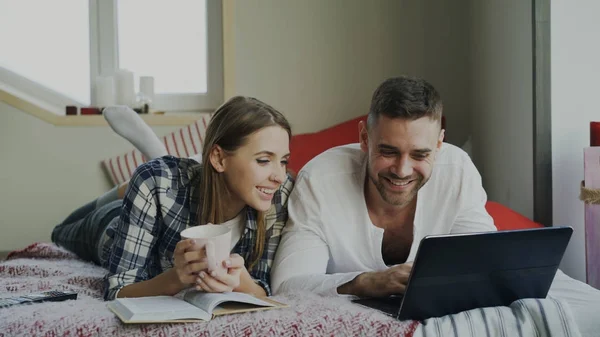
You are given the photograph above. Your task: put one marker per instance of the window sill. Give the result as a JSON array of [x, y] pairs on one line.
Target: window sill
[[46, 114]]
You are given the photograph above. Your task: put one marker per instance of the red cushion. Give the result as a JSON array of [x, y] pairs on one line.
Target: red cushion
[[505, 218], [305, 147]]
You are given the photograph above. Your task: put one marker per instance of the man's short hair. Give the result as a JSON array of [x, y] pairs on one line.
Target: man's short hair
[[407, 98]]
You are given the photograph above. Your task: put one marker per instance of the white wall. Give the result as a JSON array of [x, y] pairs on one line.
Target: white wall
[[575, 69], [501, 99], [47, 171]]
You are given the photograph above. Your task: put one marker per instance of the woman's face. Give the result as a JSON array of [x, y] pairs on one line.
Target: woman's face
[[256, 170]]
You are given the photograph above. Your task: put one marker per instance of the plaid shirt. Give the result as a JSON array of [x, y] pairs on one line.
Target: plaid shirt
[[161, 201]]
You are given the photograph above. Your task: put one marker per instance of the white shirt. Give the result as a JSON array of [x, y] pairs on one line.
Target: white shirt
[[237, 226], [329, 238]]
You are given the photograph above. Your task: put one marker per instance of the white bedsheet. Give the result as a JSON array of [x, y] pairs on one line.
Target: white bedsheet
[[572, 308], [528, 317], [583, 300]]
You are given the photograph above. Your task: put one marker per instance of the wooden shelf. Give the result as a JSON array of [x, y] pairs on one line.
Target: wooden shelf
[[45, 114], [98, 120]]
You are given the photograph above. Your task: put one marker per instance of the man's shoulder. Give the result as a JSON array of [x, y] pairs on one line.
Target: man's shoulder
[[452, 155], [452, 166], [337, 161]]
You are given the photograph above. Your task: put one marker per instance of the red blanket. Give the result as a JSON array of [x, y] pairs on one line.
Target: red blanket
[[42, 267]]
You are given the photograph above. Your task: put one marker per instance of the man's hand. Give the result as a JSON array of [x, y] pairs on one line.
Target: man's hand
[[391, 281]]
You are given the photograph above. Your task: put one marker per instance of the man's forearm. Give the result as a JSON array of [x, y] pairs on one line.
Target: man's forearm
[[317, 283], [351, 288]]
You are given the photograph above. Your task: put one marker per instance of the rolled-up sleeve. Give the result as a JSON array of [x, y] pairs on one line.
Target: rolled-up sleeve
[[135, 235], [472, 215]]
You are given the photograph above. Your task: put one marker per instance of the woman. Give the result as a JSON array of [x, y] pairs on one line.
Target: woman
[[243, 184]]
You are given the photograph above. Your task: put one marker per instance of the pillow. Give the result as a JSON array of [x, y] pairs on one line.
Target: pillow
[[184, 142], [305, 147], [507, 219]]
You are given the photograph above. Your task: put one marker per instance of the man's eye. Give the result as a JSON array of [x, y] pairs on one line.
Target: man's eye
[[387, 154], [420, 156]]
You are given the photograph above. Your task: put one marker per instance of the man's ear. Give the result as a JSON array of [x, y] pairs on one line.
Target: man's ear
[[363, 136], [217, 158], [441, 138]]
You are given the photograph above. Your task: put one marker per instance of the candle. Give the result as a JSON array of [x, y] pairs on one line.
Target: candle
[[105, 91], [594, 133], [147, 86], [125, 91]]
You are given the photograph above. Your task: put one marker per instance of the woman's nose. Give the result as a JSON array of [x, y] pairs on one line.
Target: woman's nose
[[279, 174]]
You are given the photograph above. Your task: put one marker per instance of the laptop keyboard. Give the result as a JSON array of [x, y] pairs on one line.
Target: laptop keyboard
[[388, 305]]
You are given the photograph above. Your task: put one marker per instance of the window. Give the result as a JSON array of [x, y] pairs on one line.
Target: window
[[46, 54], [58, 51]]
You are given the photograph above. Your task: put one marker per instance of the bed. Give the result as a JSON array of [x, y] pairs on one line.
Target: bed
[[44, 266]]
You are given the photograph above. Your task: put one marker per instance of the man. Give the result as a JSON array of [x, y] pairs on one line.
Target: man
[[358, 212]]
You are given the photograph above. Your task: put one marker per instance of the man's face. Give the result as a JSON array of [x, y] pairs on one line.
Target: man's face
[[400, 156]]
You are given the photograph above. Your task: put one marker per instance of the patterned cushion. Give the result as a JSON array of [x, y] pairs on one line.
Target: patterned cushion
[[184, 142]]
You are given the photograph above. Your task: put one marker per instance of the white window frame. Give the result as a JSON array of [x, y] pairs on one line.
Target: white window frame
[[104, 60]]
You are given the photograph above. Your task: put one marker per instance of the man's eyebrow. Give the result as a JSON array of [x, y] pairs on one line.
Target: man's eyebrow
[[269, 153], [387, 147], [395, 149], [422, 151]]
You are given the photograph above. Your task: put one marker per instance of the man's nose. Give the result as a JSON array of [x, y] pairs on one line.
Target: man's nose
[[403, 167]]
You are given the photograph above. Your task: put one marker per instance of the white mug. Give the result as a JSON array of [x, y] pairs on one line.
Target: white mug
[[216, 240]]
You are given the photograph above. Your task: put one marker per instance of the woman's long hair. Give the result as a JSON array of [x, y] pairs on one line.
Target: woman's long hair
[[229, 128]]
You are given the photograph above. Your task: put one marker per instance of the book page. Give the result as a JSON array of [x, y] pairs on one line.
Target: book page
[[161, 308], [209, 301]]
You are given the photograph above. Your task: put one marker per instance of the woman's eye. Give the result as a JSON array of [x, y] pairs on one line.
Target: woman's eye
[[284, 162], [262, 161]]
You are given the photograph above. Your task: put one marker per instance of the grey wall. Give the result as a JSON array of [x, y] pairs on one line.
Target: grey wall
[[501, 96]]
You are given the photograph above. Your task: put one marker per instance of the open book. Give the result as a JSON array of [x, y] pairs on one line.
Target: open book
[[195, 306]]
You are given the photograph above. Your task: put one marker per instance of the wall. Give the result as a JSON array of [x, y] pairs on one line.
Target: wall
[[445, 57], [501, 99], [47, 172], [575, 68], [317, 61], [320, 61]]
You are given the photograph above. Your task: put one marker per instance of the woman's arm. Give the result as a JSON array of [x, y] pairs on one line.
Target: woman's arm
[[166, 283], [132, 263], [188, 262]]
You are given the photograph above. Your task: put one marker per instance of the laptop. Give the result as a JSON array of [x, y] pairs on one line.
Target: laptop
[[458, 272]]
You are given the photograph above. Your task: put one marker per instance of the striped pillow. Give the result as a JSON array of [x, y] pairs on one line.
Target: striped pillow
[[184, 142]]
